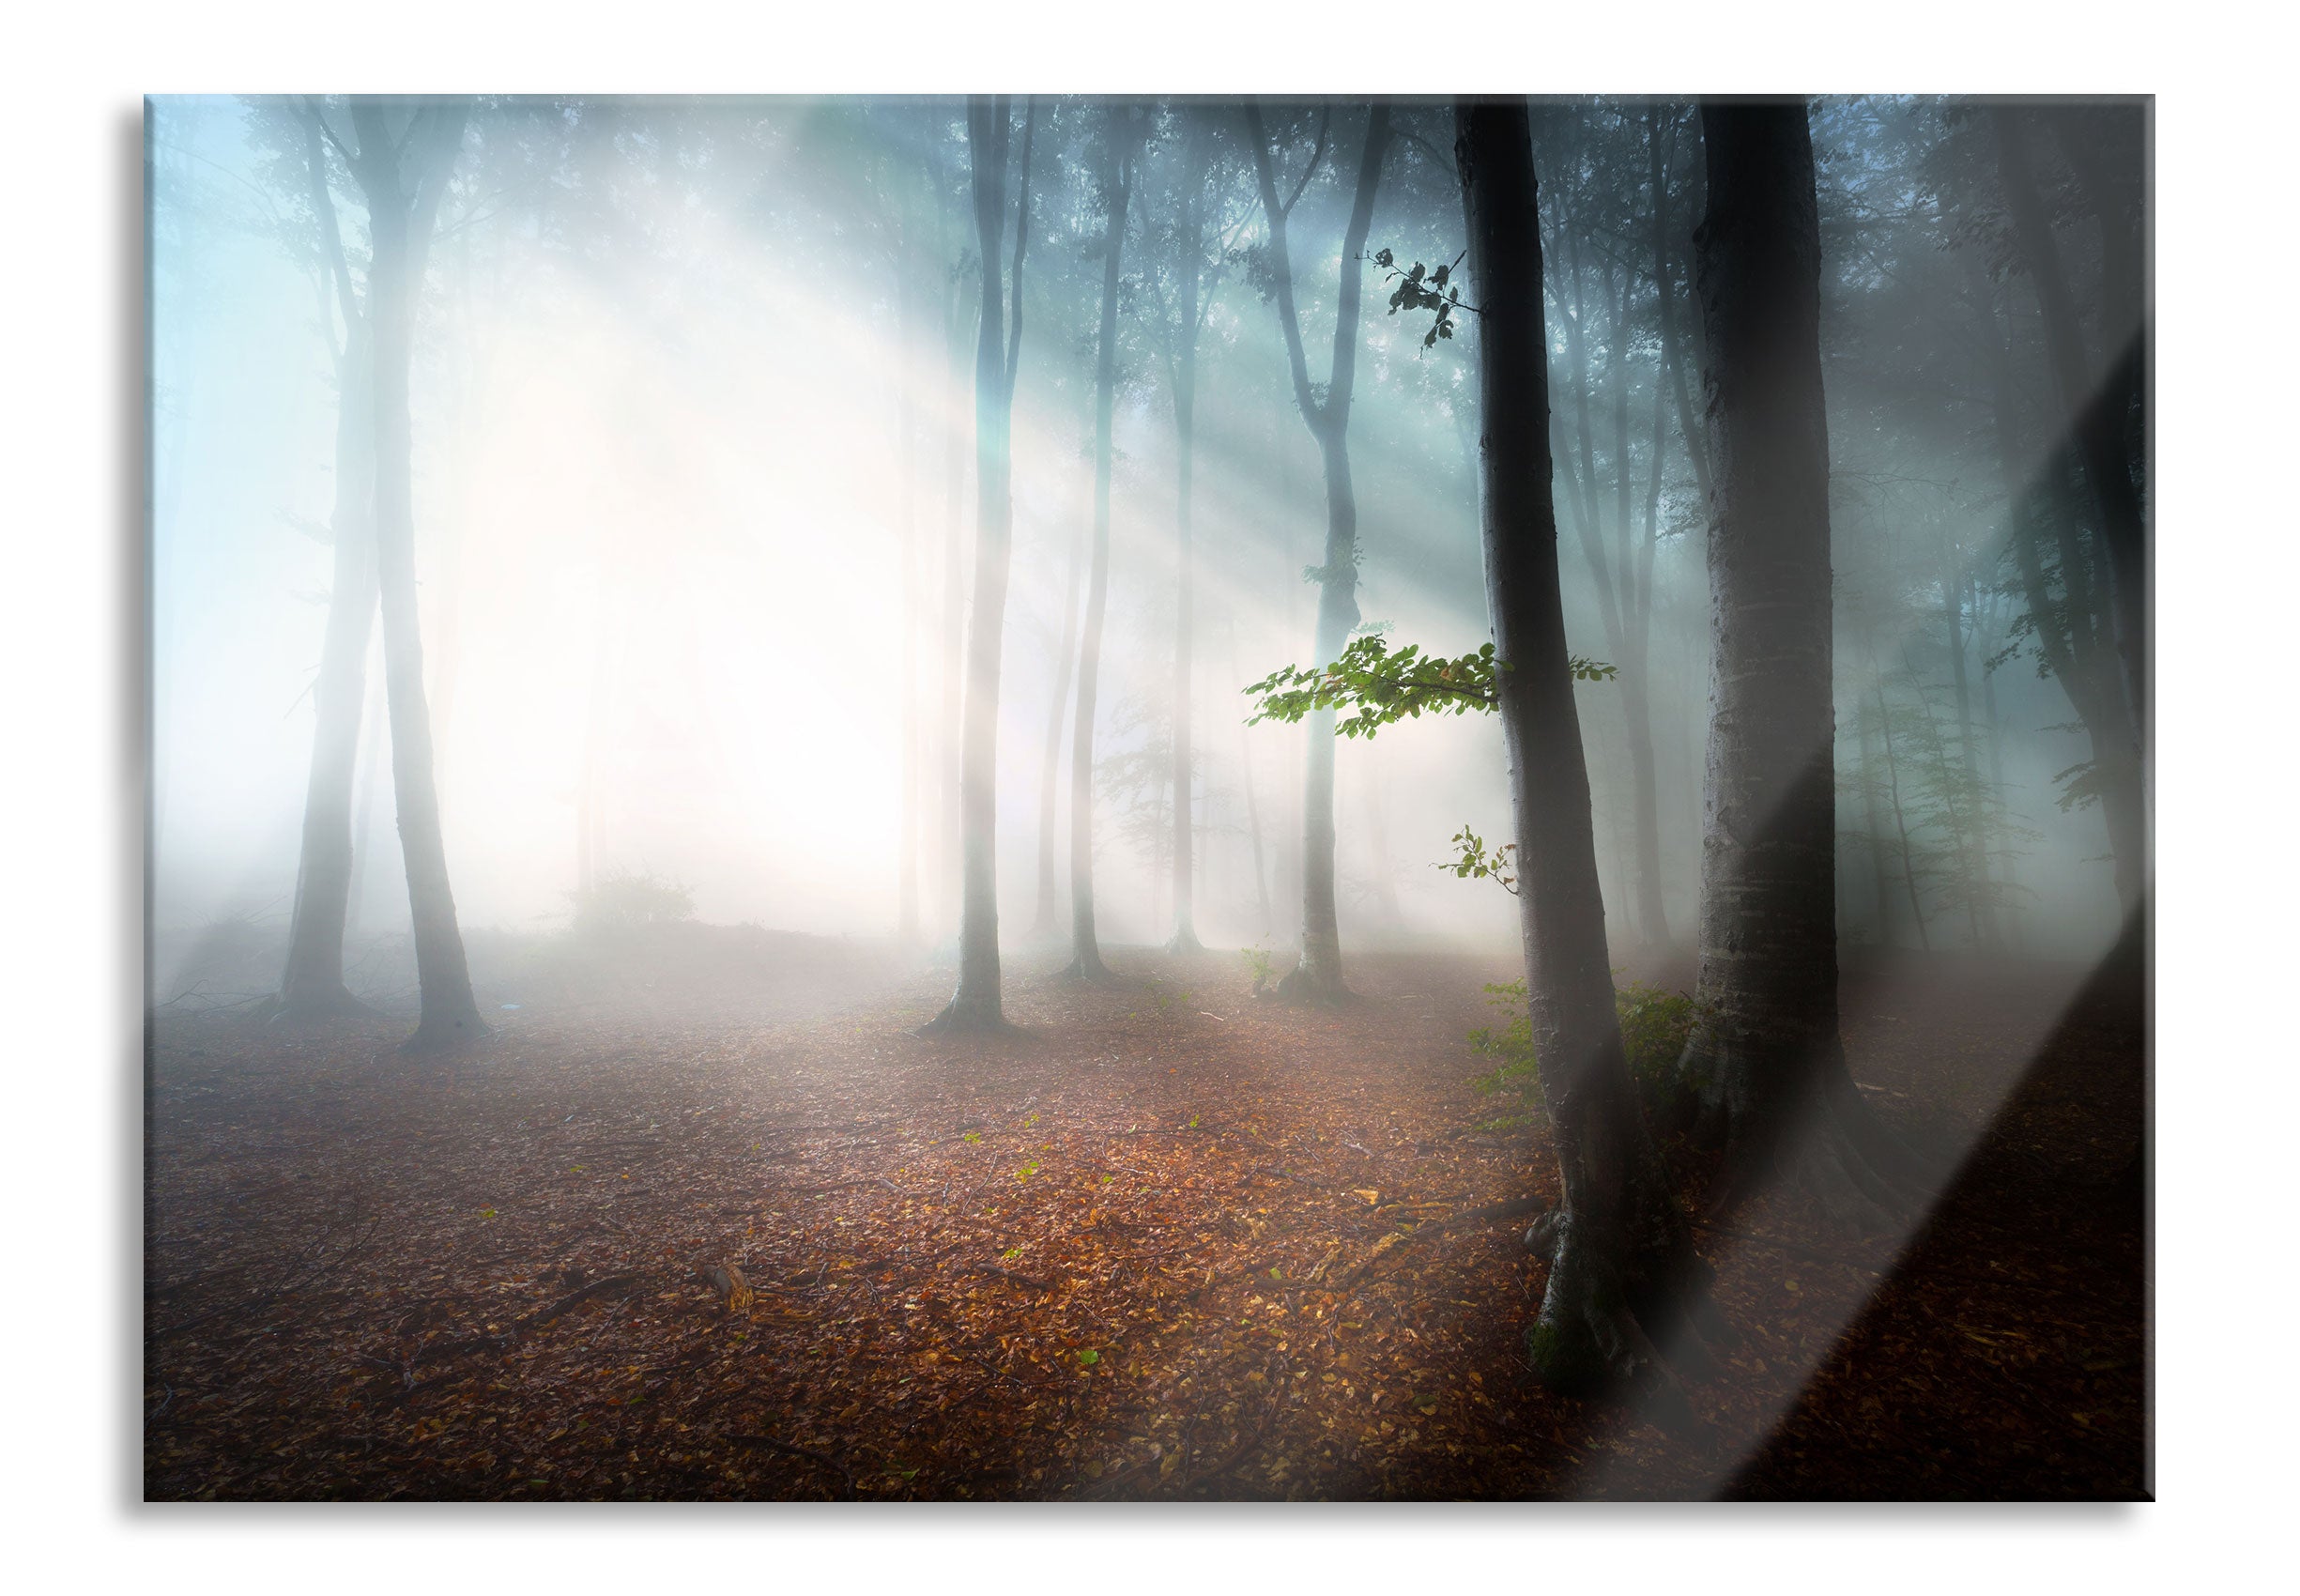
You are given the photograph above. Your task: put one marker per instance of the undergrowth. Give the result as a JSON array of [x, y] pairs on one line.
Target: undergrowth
[[1655, 1024]]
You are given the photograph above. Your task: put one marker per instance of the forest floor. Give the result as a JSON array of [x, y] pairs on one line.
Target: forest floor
[[1169, 1242]]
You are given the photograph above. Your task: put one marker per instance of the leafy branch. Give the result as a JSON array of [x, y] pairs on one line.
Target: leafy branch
[[1382, 686], [1419, 288], [1477, 863]]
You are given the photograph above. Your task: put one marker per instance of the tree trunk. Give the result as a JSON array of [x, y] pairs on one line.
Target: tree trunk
[[1317, 977], [311, 986], [1118, 176], [1766, 1052], [1621, 1258], [399, 226], [975, 1006]]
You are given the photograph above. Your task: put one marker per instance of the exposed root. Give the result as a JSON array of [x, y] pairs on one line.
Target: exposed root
[[1298, 986], [1085, 965], [448, 1033], [1185, 939], [1601, 1335], [1830, 1161], [966, 1017]]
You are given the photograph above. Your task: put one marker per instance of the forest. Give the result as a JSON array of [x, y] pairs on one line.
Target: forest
[[1061, 797]]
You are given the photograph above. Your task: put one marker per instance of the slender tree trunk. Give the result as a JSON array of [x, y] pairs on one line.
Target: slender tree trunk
[[1621, 1257], [1117, 176], [1318, 976], [311, 986], [976, 1003], [374, 725], [399, 228], [1900, 820], [1766, 1050]]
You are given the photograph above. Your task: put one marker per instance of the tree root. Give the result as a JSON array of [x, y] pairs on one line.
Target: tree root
[[1602, 1335], [447, 1034], [1298, 986], [1864, 1179], [969, 1018]]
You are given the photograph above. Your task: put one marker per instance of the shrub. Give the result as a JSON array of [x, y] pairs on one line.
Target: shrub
[[1655, 1024], [629, 902]]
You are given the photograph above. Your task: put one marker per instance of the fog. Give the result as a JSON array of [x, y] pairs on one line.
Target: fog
[[693, 408]]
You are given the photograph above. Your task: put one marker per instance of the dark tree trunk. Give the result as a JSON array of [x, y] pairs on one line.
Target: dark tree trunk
[[975, 1006], [1117, 177], [1765, 1051], [1621, 1259], [311, 985], [400, 218], [1317, 977]]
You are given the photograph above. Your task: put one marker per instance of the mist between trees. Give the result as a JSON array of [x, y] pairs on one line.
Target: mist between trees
[[684, 542]]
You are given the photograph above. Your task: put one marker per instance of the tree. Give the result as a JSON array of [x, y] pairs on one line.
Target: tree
[[312, 984], [1766, 1054], [404, 155], [1620, 1252], [1317, 976], [1121, 134], [975, 1005]]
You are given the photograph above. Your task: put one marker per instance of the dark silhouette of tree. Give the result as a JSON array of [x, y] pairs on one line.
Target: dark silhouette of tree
[[1121, 137], [1317, 977], [311, 985], [405, 155], [975, 1006], [1766, 1056], [1621, 1262]]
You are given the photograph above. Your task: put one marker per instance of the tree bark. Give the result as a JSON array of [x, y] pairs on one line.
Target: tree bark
[[1318, 976], [975, 1006], [312, 984], [1622, 1260], [1117, 178], [400, 219], [1190, 247], [1766, 1053]]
